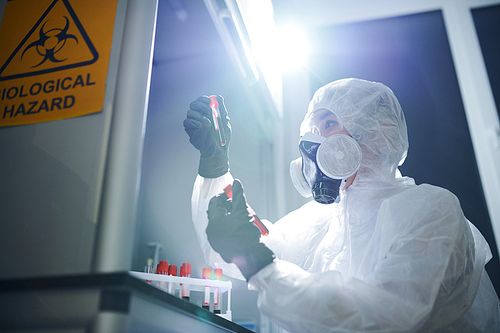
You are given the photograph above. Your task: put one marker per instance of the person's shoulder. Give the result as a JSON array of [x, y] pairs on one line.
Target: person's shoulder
[[426, 194], [424, 204]]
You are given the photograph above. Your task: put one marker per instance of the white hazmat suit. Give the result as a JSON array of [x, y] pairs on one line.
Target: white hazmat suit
[[391, 256]]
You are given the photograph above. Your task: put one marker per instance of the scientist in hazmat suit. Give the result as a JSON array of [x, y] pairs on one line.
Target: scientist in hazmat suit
[[373, 252]]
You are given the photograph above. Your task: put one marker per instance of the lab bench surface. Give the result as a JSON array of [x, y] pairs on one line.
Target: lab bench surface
[[96, 303]]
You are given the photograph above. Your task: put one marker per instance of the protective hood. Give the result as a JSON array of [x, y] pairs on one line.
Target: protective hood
[[371, 113]]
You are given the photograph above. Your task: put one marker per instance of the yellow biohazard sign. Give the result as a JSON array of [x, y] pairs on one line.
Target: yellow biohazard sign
[[54, 59]]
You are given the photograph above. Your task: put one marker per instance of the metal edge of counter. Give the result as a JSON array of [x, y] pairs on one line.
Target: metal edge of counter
[[115, 291]]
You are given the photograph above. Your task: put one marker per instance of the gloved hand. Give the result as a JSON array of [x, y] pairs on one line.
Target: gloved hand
[[214, 159], [233, 236]]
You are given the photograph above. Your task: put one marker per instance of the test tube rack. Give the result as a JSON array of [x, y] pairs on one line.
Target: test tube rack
[[195, 284]]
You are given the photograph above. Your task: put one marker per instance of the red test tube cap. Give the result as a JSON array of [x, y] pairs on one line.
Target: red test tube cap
[[207, 273], [172, 270], [218, 273], [187, 268], [162, 267]]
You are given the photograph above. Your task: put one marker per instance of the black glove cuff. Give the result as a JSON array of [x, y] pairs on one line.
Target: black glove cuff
[[213, 166], [256, 258]]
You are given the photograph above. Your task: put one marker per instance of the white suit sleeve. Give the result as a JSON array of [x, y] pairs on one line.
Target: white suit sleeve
[[419, 252], [205, 189]]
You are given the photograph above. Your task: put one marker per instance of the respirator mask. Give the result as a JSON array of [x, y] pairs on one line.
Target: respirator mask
[[325, 165]]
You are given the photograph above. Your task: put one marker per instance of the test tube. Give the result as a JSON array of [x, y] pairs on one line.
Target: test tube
[[162, 269], [207, 274], [149, 268], [256, 220], [172, 271], [186, 272], [181, 274], [217, 305], [214, 105]]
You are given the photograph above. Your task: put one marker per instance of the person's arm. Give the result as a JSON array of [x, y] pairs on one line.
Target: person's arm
[[213, 171], [418, 236], [205, 189], [232, 233], [200, 126]]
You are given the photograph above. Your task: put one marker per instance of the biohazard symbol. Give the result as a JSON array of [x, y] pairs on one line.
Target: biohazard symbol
[[53, 44], [50, 42]]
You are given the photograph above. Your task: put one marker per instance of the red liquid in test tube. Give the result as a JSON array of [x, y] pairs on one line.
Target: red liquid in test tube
[[256, 221], [217, 120], [217, 305], [172, 270], [185, 272], [207, 274], [162, 269]]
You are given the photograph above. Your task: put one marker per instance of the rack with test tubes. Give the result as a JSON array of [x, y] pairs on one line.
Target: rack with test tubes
[[213, 289]]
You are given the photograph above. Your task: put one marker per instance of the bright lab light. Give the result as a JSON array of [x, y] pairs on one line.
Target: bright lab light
[[281, 49], [292, 47]]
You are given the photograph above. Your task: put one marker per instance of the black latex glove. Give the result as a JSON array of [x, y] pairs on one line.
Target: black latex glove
[[214, 159], [233, 236]]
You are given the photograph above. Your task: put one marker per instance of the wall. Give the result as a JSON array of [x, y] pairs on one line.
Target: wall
[[51, 175]]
